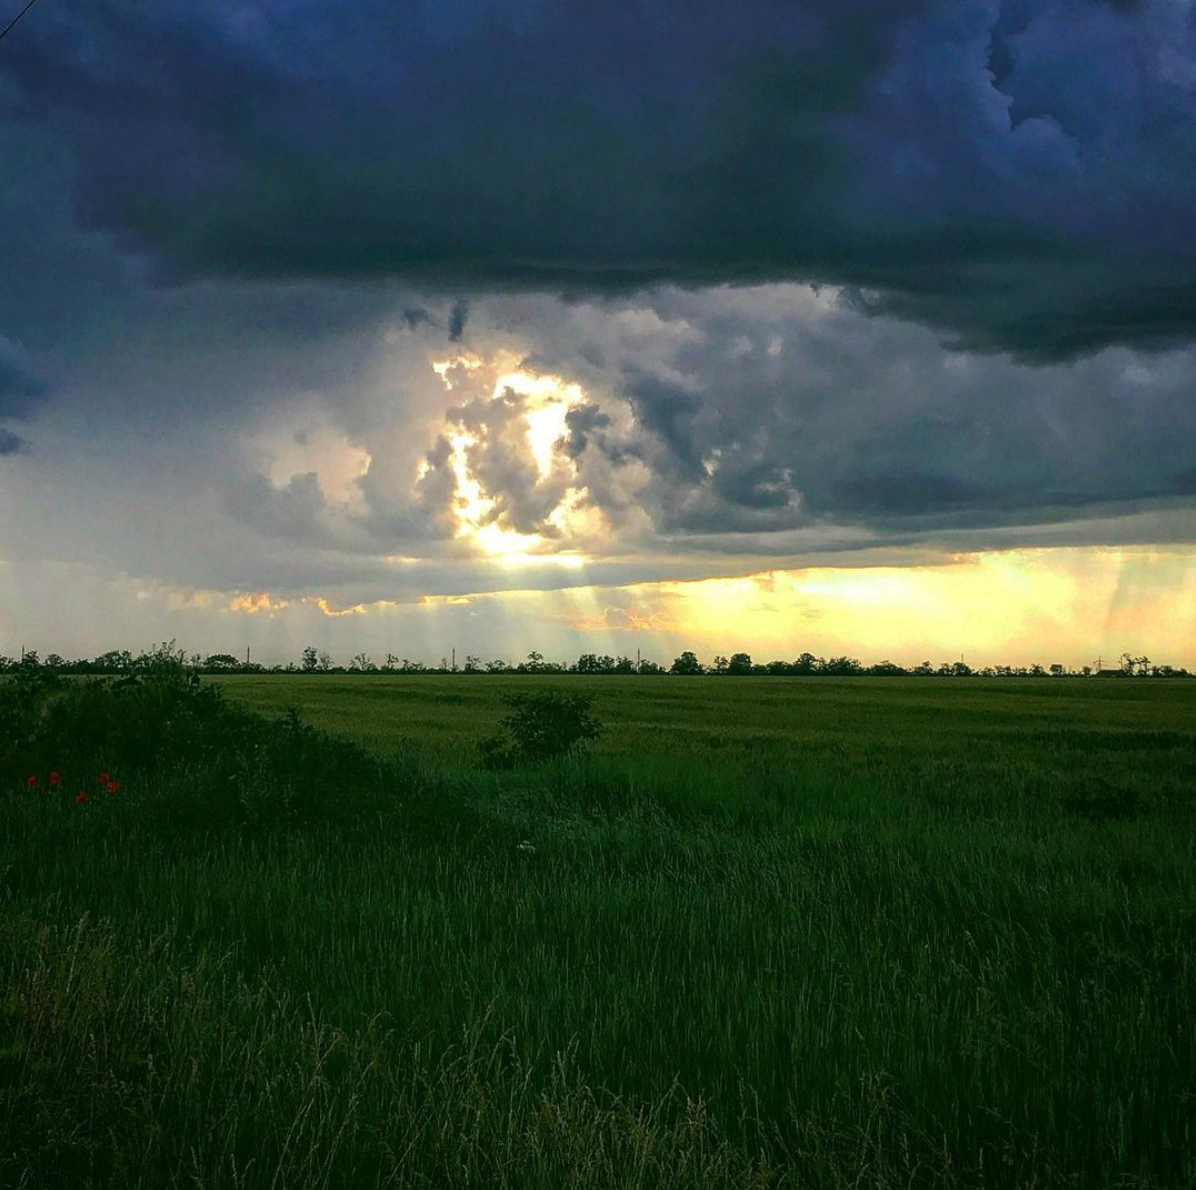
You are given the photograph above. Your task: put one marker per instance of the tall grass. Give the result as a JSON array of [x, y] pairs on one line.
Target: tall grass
[[311, 967]]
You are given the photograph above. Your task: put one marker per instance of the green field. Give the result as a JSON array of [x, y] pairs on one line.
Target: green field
[[772, 932], [1000, 742]]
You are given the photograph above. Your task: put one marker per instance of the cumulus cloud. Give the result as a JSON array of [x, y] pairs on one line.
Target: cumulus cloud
[[676, 434], [1019, 173]]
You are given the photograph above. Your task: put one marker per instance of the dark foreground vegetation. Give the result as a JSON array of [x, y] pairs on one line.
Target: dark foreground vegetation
[[269, 958]]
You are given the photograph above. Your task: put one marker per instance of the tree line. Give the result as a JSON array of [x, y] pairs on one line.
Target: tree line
[[315, 661]]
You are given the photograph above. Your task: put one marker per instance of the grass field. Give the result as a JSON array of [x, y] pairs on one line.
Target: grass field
[[988, 739], [774, 932]]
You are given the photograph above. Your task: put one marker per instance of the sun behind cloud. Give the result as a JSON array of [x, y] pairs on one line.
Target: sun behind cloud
[[544, 402]]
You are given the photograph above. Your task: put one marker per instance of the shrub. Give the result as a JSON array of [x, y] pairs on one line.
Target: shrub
[[541, 726], [183, 752]]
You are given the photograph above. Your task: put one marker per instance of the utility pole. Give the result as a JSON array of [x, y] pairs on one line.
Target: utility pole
[[454, 658], [246, 654]]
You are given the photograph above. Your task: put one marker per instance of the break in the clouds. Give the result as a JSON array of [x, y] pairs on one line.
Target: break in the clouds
[[1017, 173]]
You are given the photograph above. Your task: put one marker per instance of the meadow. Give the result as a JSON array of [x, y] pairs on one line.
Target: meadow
[[766, 933]]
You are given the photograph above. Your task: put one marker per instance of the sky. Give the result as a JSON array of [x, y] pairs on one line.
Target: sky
[[783, 326]]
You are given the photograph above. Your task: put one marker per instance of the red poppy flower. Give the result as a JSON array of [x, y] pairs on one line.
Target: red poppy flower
[[53, 778], [80, 798], [103, 777], [31, 782], [112, 787]]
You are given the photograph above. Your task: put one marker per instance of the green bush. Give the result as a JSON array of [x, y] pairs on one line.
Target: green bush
[[164, 738], [540, 726]]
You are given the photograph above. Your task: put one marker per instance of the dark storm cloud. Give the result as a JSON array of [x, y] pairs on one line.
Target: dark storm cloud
[[760, 420], [458, 317], [10, 443], [1020, 173], [20, 388]]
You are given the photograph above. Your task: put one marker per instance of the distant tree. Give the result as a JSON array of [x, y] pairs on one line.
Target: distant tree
[[687, 664], [164, 658], [473, 665], [535, 664], [116, 659], [221, 661], [324, 662], [739, 665], [721, 664], [651, 668], [623, 665], [924, 670], [54, 661], [362, 664], [310, 660], [807, 663], [497, 666], [1057, 670]]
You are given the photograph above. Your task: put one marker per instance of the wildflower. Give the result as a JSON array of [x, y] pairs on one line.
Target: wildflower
[[526, 845], [53, 778], [80, 798], [32, 782], [112, 787], [104, 778]]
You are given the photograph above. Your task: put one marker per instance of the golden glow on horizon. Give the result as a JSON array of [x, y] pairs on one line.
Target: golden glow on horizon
[[326, 609], [254, 602], [1000, 607]]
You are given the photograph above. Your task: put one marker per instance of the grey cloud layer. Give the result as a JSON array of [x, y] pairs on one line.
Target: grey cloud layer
[[1020, 173], [757, 418], [720, 431]]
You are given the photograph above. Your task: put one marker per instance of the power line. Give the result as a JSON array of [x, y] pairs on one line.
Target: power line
[[9, 27]]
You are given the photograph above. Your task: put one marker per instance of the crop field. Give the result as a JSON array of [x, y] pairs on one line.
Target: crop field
[[763, 933], [988, 738]]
